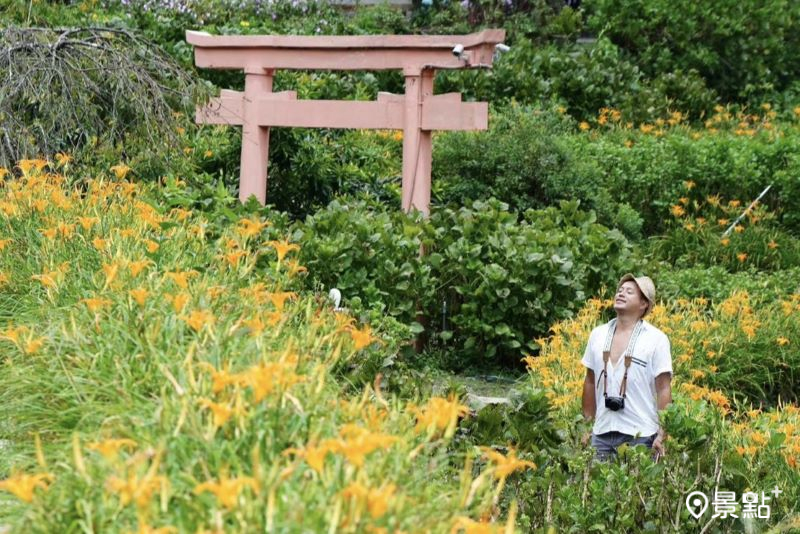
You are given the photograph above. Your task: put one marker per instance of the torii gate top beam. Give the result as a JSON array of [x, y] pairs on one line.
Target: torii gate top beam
[[410, 53]]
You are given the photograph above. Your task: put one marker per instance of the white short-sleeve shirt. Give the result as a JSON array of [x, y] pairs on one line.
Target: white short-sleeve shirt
[[651, 357]]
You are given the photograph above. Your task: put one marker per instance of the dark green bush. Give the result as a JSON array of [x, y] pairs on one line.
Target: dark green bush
[[527, 159], [584, 78], [308, 168], [512, 161], [743, 50]]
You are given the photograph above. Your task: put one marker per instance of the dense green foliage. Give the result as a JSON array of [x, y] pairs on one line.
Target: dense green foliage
[[743, 51], [504, 280], [631, 176], [488, 284]]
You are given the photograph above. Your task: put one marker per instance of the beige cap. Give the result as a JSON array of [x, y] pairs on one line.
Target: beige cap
[[646, 286]]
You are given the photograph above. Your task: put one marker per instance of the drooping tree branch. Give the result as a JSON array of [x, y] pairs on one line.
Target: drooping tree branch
[[62, 88]]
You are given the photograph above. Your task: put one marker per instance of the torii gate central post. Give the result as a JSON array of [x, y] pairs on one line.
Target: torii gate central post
[[418, 112]]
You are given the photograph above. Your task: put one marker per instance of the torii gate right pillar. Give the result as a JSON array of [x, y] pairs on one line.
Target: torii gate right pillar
[[417, 143]]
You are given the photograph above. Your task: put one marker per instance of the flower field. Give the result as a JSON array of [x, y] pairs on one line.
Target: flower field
[[157, 381]]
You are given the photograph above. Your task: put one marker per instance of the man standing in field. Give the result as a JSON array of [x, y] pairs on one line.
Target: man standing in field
[[628, 374]]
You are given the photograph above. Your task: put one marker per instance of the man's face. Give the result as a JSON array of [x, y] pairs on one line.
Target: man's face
[[629, 299]]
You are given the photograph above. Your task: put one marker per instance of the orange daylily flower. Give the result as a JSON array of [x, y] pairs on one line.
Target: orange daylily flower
[[120, 171], [181, 278], [505, 465], [63, 159], [139, 295], [439, 415], [23, 486], [227, 490], [362, 338], [94, 304], [250, 228], [282, 248], [138, 266], [178, 301], [110, 270], [109, 448], [199, 319], [87, 222], [221, 413], [279, 299]]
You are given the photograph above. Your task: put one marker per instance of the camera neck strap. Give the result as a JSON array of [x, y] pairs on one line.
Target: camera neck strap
[[612, 328]]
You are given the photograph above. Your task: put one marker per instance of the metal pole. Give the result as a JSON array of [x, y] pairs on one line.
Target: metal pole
[[740, 217]]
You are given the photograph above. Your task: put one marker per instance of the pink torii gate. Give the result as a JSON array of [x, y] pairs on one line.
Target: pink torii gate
[[417, 112]]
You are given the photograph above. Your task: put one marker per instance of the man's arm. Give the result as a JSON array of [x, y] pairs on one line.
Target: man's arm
[[589, 406], [589, 400], [663, 398], [663, 390]]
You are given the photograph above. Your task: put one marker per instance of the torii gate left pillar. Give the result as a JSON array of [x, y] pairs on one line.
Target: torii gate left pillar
[[418, 112], [255, 138]]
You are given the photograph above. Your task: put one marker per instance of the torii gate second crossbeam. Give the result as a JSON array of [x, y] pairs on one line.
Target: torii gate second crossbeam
[[418, 112]]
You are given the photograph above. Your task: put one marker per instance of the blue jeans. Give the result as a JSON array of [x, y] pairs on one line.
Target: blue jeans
[[606, 444]]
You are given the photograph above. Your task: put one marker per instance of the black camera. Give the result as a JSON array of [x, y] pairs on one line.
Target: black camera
[[615, 403]]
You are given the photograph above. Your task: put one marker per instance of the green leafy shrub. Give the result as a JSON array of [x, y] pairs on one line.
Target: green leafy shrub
[[505, 281], [502, 281], [526, 160], [309, 168], [583, 78], [369, 253]]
